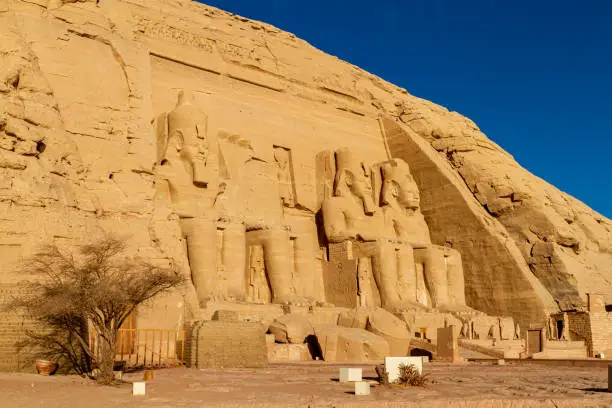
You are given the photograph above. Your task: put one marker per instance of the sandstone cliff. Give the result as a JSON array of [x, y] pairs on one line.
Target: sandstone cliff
[[81, 84]]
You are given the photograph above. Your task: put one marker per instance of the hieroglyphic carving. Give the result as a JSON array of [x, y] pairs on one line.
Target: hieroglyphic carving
[[254, 53], [162, 31]]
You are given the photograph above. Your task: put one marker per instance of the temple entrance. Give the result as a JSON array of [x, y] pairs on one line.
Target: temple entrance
[[560, 326], [534, 341]]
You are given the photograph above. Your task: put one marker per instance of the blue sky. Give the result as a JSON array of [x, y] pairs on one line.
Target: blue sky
[[536, 75]]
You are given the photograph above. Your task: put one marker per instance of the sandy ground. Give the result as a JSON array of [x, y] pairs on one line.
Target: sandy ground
[[316, 385]]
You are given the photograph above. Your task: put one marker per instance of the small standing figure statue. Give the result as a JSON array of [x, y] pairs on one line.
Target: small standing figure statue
[[285, 180], [259, 290]]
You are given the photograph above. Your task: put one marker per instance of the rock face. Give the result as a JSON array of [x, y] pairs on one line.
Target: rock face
[[240, 178]]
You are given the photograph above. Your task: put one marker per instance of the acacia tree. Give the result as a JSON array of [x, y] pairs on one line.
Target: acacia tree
[[95, 286]]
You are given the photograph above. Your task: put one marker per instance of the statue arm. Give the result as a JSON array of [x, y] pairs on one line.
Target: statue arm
[[400, 231], [163, 200], [334, 223]]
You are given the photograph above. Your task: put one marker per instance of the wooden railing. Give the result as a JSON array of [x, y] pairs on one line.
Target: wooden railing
[[148, 348]]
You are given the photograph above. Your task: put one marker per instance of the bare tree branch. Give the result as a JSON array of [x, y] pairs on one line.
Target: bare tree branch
[[97, 285]]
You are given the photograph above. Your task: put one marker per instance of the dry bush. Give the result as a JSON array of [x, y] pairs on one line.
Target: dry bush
[[98, 287], [409, 375]]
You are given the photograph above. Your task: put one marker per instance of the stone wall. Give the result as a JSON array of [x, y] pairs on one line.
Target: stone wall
[[226, 344], [593, 326], [12, 331], [601, 326], [580, 329]]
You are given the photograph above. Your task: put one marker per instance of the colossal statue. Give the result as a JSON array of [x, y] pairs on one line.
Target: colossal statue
[[254, 232], [407, 268], [350, 214], [187, 177], [403, 220]]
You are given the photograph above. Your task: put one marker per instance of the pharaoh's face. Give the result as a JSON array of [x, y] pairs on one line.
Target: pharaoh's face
[[193, 151], [358, 180], [406, 190], [282, 157], [194, 148], [400, 185]]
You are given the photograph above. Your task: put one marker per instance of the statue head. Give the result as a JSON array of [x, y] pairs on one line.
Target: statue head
[[352, 177], [399, 185], [187, 137], [281, 156]]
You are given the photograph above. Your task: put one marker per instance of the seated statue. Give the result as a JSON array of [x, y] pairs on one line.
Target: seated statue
[[403, 220], [187, 177], [351, 214], [254, 235]]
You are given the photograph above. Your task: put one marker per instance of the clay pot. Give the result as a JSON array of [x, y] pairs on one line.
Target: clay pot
[[46, 367]]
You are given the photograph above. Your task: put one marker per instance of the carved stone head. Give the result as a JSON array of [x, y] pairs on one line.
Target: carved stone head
[[281, 156], [187, 137], [352, 177], [399, 185]]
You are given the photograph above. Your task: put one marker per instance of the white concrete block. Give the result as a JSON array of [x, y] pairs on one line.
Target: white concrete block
[[350, 374], [362, 388], [139, 388], [392, 365]]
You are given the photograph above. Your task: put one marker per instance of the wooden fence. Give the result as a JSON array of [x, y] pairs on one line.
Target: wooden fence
[[148, 348]]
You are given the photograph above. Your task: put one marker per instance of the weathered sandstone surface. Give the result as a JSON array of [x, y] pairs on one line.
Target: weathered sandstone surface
[[84, 86]]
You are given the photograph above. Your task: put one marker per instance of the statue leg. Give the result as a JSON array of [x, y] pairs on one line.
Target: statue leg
[[434, 269], [406, 270], [234, 260], [309, 274], [201, 236], [384, 269], [277, 258], [454, 272]]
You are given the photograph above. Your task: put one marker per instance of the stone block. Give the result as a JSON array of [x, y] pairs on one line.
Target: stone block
[[225, 315], [362, 388], [289, 352], [350, 374], [392, 365], [139, 388], [291, 329], [355, 318], [342, 344], [223, 344], [447, 346], [392, 329]]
